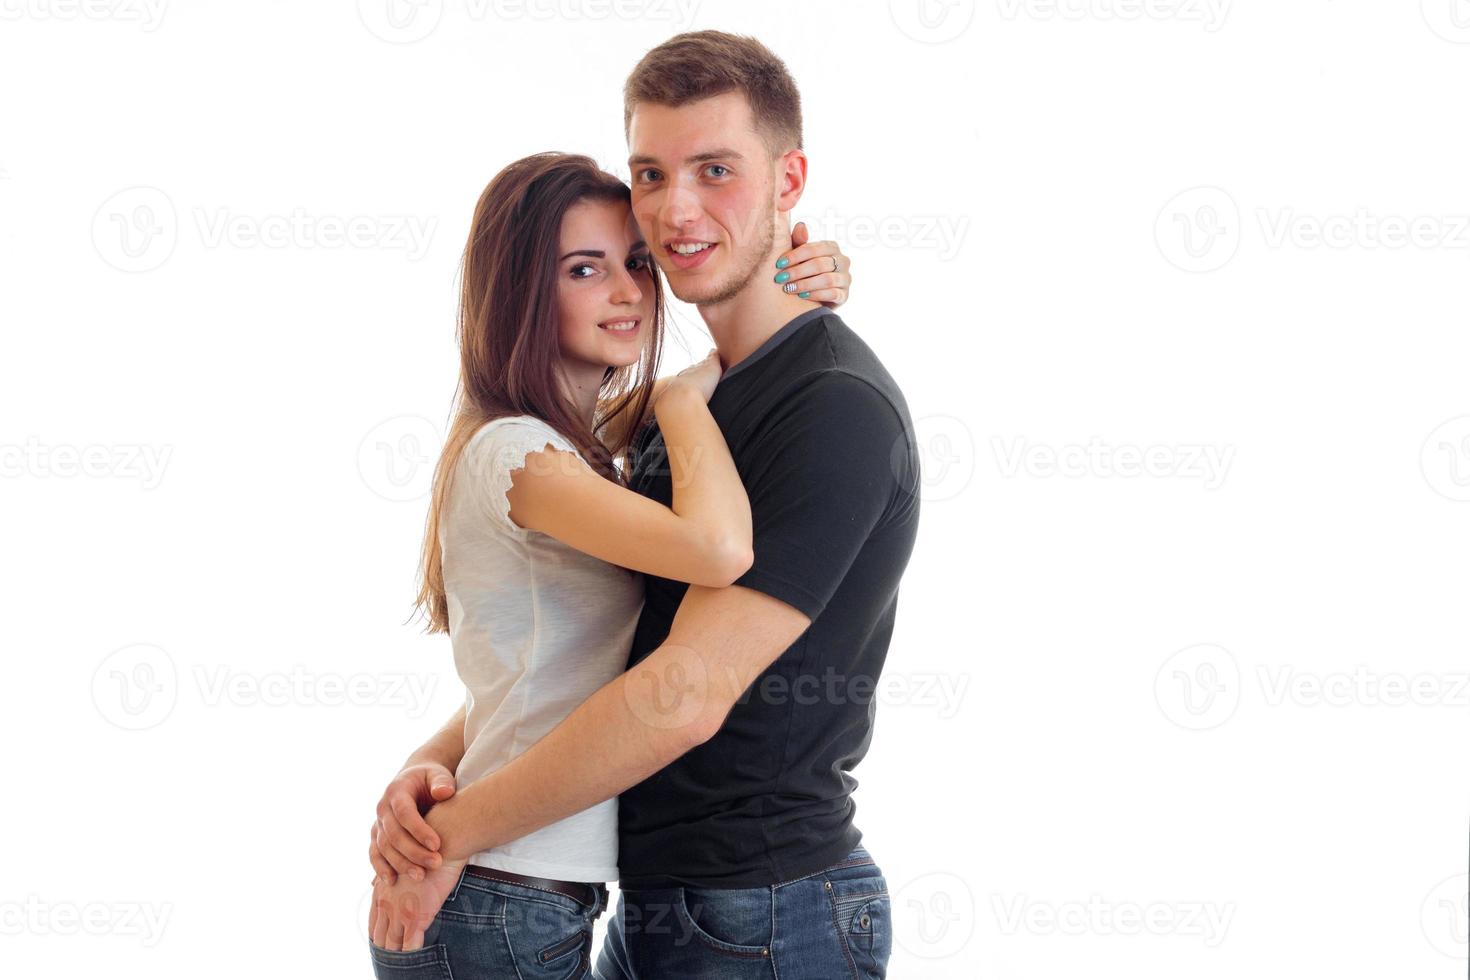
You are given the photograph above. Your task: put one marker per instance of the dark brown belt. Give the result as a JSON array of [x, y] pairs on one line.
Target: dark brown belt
[[591, 894]]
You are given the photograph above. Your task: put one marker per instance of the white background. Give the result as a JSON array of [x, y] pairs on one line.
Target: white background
[[1201, 719]]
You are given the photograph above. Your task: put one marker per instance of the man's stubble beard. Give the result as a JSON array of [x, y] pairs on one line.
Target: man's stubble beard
[[731, 287]]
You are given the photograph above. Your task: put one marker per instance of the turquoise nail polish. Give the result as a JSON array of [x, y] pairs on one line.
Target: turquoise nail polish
[[805, 295], [782, 263], [782, 276]]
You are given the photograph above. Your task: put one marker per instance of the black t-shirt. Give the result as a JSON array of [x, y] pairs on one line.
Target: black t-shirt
[[822, 439]]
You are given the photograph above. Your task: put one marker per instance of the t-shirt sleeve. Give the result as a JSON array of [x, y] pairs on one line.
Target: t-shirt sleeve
[[820, 480], [496, 452]]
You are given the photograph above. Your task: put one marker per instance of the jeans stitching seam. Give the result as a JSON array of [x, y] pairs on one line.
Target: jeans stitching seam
[[841, 934]]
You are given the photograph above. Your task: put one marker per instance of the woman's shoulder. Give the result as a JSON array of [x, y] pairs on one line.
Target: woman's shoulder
[[505, 441], [499, 448]]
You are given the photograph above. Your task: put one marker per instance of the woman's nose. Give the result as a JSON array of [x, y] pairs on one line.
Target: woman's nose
[[626, 288]]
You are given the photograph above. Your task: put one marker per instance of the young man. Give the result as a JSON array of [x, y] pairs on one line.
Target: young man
[[732, 735]]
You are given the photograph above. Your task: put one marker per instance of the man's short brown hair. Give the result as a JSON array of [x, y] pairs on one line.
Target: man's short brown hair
[[701, 64]]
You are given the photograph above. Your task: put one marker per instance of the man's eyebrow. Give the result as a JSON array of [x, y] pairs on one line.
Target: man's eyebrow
[[719, 153]]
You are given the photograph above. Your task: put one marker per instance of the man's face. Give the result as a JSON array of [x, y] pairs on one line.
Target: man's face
[[705, 194]]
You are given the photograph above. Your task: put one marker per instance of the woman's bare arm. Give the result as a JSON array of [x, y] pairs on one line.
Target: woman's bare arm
[[704, 538]]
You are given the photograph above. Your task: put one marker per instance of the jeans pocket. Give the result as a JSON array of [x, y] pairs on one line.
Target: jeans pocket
[[546, 936], [427, 963], [733, 922], [862, 910], [569, 957]]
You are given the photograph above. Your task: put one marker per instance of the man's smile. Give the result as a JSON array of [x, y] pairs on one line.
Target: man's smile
[[688, 253]]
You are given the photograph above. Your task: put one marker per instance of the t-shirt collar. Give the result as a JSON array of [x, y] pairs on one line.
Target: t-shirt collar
[[774, 340]]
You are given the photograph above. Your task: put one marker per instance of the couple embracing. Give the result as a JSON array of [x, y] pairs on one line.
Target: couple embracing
[[669, 599]]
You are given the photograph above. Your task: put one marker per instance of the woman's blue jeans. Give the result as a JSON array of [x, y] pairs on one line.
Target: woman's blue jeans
[[490, 929]]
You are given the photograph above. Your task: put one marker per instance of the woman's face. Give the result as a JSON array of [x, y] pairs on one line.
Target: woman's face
[[604, 285]]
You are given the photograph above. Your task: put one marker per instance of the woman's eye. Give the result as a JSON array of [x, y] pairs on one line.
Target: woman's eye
[[641, 262], [582, 265]]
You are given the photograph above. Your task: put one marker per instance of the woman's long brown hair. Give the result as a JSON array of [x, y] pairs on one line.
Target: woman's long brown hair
[[510, 352]]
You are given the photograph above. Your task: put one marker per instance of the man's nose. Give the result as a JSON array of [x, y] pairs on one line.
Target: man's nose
[[680, 207]]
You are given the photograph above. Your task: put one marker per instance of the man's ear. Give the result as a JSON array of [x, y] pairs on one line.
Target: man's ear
[[790, 179]]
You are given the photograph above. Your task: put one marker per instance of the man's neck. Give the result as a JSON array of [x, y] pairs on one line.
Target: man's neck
[[746, 320]]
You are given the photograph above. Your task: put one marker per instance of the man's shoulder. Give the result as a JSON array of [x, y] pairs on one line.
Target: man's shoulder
[[836, 363]]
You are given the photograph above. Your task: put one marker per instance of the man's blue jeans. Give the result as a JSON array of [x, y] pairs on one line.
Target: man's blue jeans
[[834, 924]]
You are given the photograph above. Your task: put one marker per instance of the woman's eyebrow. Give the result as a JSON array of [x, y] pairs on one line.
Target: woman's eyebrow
[[592, 252]]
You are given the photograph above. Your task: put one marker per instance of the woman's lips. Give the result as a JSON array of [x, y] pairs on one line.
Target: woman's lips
[[625, 327]]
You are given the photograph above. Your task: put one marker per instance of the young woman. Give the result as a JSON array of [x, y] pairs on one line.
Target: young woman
[[535, 548]]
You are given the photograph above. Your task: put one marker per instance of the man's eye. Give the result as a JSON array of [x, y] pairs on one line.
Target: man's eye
[[648, 174], [583, 265], [723, 170]]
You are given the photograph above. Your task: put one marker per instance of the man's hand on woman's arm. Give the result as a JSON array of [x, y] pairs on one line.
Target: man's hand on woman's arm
[[402, 842]]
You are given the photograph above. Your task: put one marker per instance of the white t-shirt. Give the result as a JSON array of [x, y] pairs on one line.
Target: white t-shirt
[[537, 627]]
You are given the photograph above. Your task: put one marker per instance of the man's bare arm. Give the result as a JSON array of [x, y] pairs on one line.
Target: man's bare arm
[[720, 642]]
